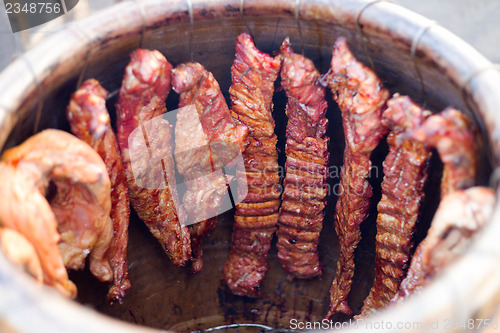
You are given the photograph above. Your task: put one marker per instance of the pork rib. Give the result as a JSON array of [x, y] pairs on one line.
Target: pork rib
[[149, 167], [253, 74], [454, 137], [458, 218], [300, 221], [405, 173], [89, 120], [206, 138], [361, 97]]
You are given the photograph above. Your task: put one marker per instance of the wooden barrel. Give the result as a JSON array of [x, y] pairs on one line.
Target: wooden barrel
[[411, 54]]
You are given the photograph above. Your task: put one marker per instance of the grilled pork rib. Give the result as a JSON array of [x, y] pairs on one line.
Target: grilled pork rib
[[207, 138], [361, 97], [300, 220], [89, 120], [405, 173], [253, 74], [460, 214], [150, 167]]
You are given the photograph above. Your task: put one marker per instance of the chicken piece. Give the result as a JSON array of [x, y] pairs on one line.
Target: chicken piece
[[21, 252], [145, 143], [206, 138], [460, 215], [307, 125], [405, 174], [56, 194], [361, 98], [89, 120]]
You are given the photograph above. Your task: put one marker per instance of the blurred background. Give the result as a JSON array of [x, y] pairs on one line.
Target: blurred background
[[475, 21]]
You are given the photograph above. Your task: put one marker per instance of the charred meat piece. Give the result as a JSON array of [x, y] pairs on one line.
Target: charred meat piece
[[89, 120], [405, 173], [301, 220], [56, 193], [458, 218], [206, 138], [145, 143], [253, 74], [454, 136], [361, 98]]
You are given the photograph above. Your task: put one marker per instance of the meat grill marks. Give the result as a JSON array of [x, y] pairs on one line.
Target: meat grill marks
[[405, 173], [458, 218], [89, 120], [65, 224], [301, 221], [253, 75], [141, 102], [453, 135], [207, 138], [361, 97]]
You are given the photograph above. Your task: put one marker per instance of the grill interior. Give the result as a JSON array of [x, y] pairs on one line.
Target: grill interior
[[167, 297]]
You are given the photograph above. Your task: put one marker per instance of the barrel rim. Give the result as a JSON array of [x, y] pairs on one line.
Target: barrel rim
[[470, 71]]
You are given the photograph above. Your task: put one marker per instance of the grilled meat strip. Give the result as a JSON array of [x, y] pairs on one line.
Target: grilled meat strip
[[460, 215], [89, 120], [453, 135], [253, 75], [300, 221], [405, 173], [206, 138], [361, 97], [144, 139]]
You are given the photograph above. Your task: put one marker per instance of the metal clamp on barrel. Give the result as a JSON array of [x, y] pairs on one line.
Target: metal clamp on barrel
[[88, 39], [359, 29], [413, 54], [143, 18]]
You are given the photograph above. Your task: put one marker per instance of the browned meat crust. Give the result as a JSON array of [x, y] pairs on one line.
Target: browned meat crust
[[151, 184], [459, 216], [253, 75], [453, 134], [306, 127], [361, 97], [89, 120], [201, 151], [405, 173]]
